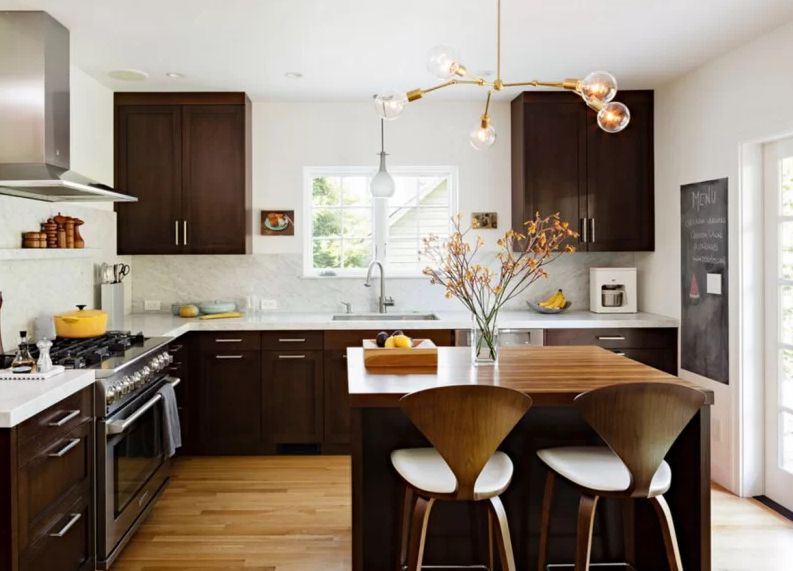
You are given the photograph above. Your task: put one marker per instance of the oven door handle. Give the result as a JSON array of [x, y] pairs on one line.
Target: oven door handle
[[120, 426]]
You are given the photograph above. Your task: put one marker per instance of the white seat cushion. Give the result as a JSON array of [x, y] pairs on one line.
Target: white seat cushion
[[598, 468], [425, 469]]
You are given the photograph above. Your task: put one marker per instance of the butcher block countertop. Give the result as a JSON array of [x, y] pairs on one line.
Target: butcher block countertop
[[552, 376]]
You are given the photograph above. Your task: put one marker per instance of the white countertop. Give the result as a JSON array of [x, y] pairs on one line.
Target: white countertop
[[21, 400], [166, 325]]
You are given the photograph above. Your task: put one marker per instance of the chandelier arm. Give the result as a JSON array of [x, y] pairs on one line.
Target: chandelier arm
[[487, 103], [569, 84], [416, 94]]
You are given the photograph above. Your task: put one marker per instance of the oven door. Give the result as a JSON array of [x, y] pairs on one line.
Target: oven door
[[135, 470]]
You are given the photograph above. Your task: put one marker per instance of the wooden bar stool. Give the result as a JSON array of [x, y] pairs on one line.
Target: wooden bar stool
[[465, 424], [639, 422]]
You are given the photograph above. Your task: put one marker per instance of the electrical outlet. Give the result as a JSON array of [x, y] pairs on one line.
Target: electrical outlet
[[151, 305], [269, 304]]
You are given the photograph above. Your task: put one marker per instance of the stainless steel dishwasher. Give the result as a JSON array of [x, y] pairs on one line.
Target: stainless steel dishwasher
[[508, 337]]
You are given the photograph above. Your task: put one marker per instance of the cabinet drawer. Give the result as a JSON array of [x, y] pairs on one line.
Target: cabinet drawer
[[231, 341], [292, 340], [66, 542], [50, 475], [640, 338], [46, 428]]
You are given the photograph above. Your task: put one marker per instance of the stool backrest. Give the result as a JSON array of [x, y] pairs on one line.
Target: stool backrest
[[640, 422], [466, 424]]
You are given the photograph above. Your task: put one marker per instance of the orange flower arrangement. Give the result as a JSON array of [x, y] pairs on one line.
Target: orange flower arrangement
[[521, 260]]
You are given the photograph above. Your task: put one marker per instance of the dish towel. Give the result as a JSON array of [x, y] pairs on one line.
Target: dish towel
[[172, 431]]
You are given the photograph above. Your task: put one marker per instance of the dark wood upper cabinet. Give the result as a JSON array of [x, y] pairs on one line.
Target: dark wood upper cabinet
[[186, 156], [603, 184]]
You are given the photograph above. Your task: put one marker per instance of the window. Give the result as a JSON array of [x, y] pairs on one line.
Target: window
[[345, 228]]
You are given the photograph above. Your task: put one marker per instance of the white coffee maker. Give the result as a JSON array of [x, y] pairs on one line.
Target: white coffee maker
[[612, 290]]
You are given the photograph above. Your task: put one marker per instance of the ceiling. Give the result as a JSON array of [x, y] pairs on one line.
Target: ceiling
[[354, 48]]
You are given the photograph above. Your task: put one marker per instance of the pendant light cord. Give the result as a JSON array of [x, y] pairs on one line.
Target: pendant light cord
[[498, 41]]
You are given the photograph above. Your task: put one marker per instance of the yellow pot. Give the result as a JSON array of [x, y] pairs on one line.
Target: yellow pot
[[81, 323]]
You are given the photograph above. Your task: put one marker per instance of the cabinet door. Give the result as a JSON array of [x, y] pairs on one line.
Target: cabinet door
[[337, 399], [231, 402], [148, 163], [293, 394], [214, 193], [549, 147], [620, 180]]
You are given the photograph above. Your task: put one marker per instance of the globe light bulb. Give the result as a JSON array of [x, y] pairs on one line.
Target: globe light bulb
[[614, 117], [444, 62], [482, 136], [598, 86], [390, 104]]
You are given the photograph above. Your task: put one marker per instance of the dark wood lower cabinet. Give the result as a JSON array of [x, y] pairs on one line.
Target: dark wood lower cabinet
[[336, 402], [230, 409], [46, 489], [654, 346], [293, 396]]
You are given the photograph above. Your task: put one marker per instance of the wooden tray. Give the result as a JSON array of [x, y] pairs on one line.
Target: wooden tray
[[424, 354]]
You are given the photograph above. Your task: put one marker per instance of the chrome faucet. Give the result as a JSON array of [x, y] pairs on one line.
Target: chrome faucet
[[384, 301]]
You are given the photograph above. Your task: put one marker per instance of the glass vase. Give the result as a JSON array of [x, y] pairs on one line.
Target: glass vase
[[484, 341]]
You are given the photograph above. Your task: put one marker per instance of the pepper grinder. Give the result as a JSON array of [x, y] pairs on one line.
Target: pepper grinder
[[44, 363]]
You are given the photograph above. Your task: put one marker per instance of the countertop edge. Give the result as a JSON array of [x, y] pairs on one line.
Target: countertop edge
[[59, 389]]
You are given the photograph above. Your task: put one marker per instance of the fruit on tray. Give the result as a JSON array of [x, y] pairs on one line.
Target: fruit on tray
[[556, 301], [397, 339]]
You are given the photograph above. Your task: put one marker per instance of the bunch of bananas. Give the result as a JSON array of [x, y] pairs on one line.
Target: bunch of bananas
[[556, 301]]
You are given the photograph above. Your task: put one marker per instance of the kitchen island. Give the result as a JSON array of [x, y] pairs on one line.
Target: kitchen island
[[552, 376]]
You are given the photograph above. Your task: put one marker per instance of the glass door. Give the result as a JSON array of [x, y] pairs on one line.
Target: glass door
[[778, 173]]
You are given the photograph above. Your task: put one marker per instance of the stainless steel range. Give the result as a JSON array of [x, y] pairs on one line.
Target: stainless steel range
[[132, 466]]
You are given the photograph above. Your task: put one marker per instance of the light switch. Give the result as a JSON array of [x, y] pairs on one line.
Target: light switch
[[714, 284]]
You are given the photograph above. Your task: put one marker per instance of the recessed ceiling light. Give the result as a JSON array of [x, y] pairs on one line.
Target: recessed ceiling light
[[174, 75], [293, 74], [128, 74]]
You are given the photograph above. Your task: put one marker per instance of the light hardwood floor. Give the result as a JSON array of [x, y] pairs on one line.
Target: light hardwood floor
[[292, 513]]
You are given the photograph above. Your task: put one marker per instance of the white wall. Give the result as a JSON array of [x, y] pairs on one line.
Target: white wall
[[33, 288], [289, 136], [704, 123]]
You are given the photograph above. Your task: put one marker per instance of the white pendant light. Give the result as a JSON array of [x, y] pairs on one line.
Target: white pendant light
[[382, 185]]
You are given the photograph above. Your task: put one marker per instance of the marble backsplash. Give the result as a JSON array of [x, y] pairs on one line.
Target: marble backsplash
[[34, 289], [183, 279]]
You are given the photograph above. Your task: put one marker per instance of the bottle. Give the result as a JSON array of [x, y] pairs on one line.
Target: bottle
[[23, 362]]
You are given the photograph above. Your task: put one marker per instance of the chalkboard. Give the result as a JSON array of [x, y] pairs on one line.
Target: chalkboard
[[704, 280]]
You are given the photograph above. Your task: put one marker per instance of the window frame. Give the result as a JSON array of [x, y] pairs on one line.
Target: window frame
[[310, 173]]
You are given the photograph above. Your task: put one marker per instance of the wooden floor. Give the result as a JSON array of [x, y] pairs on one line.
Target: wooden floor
[[292, 513]]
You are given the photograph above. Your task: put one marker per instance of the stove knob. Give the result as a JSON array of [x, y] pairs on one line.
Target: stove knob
[[146, 374], [160, 362], [135, 381], [110, 395]]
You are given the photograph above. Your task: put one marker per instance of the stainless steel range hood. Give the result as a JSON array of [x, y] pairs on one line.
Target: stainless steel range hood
[[34, 113]]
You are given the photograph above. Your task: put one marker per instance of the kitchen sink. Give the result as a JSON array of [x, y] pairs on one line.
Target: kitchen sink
[[385, 317]]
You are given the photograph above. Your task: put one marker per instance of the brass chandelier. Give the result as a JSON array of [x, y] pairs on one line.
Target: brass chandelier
[[597, 89]]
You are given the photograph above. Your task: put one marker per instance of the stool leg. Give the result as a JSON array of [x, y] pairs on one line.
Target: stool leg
[[545, 522], [503, 539], [586, 521], [408, 501], [668, 529], [490, 552], [418, 532]]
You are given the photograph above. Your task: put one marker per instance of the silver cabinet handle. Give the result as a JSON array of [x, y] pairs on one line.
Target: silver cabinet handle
[[620, 353], [291, 340], [291, 356], [593, 229], [69, 524], [174, 381], [71, 414], [228, 340], [184, 232], [228, 356], [611, 338], [71, 444], [176, 232], [584, 230]]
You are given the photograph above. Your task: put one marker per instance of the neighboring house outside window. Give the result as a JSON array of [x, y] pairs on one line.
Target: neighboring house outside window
[[345, 229]]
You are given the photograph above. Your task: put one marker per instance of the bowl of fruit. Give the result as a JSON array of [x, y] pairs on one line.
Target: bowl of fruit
[[397, 350], [555, 303]]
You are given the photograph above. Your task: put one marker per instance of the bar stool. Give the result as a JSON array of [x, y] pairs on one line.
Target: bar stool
[[639, 422], [465, 425]]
